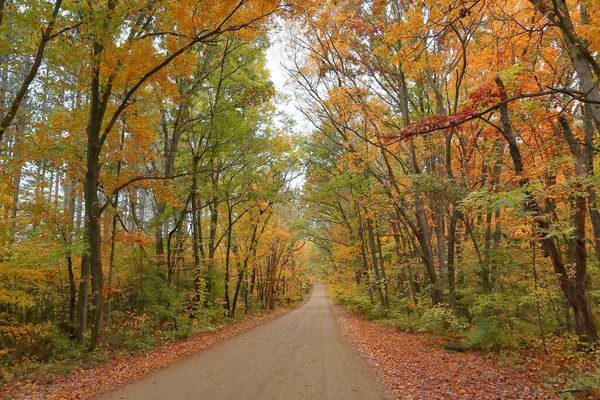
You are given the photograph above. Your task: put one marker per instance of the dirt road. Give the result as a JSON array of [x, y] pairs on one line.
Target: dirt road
[[301, 355]]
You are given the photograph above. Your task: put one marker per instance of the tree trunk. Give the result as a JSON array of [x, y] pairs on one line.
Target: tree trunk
[[113, 233], [171, 145], [198, 284], [214, 215], [575, 290], [424, 237], [241, 276], [244, 268], [363, 252], [584, 61], [228, 257], [111, 262], [384, 282], [93, 235], [485, 271], [374, 261], [70, 205], [91, 231], [588, 154], [584, 323], [451, 258], [82, 302], [402, 284]]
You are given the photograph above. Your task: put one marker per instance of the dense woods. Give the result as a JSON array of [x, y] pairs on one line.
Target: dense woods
[[144, 178], [451, 174], [151, 187]]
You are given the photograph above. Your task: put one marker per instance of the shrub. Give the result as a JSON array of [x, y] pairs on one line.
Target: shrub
[[183, 327], [586, 384], [357, 298], [30, 347], [132, 331], [440, 319], [209, 319], [489, 334]]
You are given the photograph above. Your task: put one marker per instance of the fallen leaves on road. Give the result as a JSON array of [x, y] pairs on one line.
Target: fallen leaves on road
[[417, 367], [88, 383]]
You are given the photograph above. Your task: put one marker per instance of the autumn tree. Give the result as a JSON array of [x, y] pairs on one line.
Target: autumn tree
[[409, 92]]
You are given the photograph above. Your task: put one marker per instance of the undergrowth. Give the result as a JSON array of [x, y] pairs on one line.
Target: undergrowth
[[44, 350]]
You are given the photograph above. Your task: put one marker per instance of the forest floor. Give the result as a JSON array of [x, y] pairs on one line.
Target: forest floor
[[416, 366], [88, 382]]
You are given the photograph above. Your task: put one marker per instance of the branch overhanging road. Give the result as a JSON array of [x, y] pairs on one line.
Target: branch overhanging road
[[301, 355]]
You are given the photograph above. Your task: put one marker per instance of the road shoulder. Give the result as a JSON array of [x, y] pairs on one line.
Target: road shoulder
[[415, 367], [90, 382]]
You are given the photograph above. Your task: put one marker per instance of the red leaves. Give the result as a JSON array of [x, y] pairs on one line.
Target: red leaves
[[416, 367], [480, 101]]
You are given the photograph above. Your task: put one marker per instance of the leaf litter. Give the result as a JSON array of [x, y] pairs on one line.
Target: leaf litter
[[416, 366]]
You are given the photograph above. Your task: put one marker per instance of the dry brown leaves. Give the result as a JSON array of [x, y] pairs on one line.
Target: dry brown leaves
[[88, 383], [417, 367]]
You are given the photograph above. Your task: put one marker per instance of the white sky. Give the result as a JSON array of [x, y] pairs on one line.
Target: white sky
[[276, 58]]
